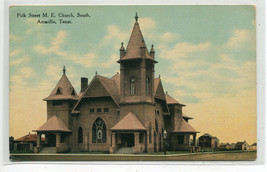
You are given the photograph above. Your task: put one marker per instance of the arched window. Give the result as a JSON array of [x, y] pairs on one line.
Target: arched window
[[150, 133], [156, 126], [58, 91], [147, 86], [80, 135], [132, 85], [99, 131]]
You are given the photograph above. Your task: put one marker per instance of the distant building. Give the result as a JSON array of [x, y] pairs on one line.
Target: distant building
[[208, 141], [242, 145], [232, 146], [224, 146], [25, 143], [253, 146]]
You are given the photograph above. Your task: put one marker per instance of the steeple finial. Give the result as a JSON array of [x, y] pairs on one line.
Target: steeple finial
[[122, 47], [136, 17], [96, 72], [64, 70], [159, 75]]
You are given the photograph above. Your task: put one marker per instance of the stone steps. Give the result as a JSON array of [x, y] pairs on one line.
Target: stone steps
[[125, 150], [48, 150]]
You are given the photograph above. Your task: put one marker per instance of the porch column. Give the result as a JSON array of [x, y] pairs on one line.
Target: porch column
[[136, 139], [194, 140], [113, 144], [58, 139], [38, 139], [185, 139], [46, 139]]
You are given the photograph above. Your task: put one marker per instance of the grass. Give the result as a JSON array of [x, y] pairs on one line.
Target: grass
[[219, 156], [79, 152]]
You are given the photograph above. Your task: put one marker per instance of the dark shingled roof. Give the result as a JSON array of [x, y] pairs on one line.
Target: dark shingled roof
[[171, 100], [156, 84], [183, 127], [135, 42], [185, 116], [54, 123], [254, 144], [63, 90], [29, 138], [240, 143], [111, 86], [129, 122]]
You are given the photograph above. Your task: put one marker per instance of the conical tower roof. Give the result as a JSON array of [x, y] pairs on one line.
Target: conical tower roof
[[63, 90], [136, 41]]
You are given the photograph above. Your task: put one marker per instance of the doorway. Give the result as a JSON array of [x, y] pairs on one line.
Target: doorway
[[127, 140], [51, 140]]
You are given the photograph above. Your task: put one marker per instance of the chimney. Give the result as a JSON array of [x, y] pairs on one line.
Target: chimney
[[84, 84]]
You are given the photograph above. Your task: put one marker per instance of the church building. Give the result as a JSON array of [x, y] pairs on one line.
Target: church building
[[128, 111]]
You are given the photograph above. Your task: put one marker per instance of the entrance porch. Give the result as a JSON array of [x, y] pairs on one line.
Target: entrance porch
[[57, 135], [134, 141], [58, 140], [183, 142]]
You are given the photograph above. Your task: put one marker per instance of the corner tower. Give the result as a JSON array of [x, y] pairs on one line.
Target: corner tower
[[61, 100], [137, 70]]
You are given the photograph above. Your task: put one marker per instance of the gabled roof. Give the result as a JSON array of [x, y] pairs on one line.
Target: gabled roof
[[63, 90], [111, 87], [158, 89], [116, 78], [183, 127], [240, 143], [136, 41], [254, 144], [54, 123], [171, 100], [29, 138], [129, 122]]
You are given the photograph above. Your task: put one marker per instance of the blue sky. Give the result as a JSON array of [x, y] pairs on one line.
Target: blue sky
[[209, 53]]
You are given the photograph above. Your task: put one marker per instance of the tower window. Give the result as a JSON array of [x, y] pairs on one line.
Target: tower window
[[57, 103], [92, 110], [132, 85], [98, 109], [147, 86]]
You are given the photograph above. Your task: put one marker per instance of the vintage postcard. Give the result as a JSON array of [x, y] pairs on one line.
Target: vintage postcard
[[132, 82]]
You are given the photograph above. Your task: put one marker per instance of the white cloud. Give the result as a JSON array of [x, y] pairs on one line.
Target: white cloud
[[146, 23], [18, 80], [19, 61], [242, 38], [183, 49], [54, 45], [111, 62], [14, 38], [15, 52], [53, 71], [87, 60], [169, 36], [114, 32]]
